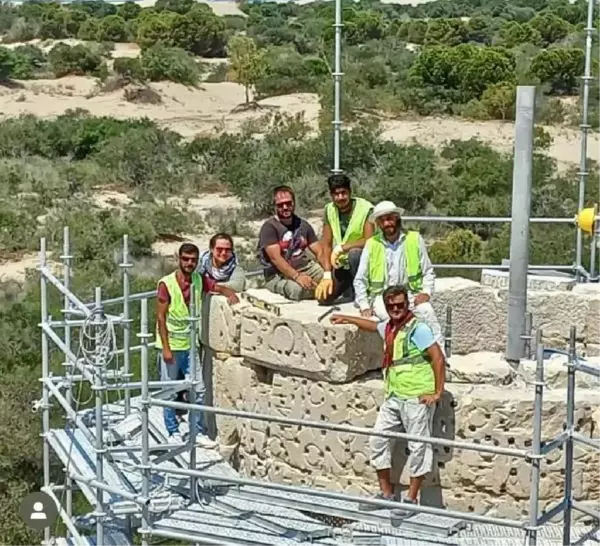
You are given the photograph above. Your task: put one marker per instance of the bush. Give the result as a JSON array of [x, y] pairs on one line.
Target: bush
[[74, 60], [130, 68], [112, 29], [170, 63]]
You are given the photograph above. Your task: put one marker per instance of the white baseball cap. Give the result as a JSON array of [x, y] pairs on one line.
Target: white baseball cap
[[383, 208]]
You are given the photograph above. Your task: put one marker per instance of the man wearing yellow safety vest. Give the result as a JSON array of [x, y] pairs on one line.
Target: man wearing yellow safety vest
[[394, 256], [173, 337], [413, 371], [346, 228]]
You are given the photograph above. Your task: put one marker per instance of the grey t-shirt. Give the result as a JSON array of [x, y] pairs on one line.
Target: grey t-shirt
[[293, 240]]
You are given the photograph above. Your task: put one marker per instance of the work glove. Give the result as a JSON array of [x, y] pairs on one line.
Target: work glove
[[325, 287], [335, 256]]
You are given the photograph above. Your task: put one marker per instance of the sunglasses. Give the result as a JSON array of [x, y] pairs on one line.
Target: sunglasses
[[188, 259], [393, 306]]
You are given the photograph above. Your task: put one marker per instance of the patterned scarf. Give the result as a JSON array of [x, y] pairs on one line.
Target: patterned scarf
[[218, 274], [391, 331]]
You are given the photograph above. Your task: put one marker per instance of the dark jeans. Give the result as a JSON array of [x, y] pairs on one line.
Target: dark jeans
[[343, 279]]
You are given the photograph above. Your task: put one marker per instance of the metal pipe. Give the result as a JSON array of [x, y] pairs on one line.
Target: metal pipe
[[193, 413], [553, 512], [583, 173], [448, 332], [534, 494], [68, 353], [528, 334], [590, 442], [99, 384], [588, 511], [45, 373], [593, 245], [552, 445], [568, 491], [66, 517], [73, 299], [590, 370], [145, 403], [135, 448], [66, 258], [519, 233], [176, 384], [125, 265], [484, 219], [177, 535], [75, 418], [418, 509], [563, 267], [337, 87], [518, 453], [134, 497]]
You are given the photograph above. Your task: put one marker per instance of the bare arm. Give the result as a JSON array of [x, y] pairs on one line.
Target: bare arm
[[162, 307], [327, 245], [279, 262], [318, 250], [438, 363], [365, 324]]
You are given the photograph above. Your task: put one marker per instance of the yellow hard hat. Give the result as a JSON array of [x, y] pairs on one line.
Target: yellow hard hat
[[586, 218]]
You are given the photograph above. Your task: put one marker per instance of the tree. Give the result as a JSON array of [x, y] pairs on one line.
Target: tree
[[551, 27], [112, 29], [560, 67], [7, 61], [513, 34], [499, 100], [129, 10], [247, 62]]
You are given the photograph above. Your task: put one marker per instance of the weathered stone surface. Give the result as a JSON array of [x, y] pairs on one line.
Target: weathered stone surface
[[462, 480], [221, 324], [495, 278], [296, 343]]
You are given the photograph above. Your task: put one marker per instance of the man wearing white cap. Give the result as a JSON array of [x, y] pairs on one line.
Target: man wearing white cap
[[394, 256]]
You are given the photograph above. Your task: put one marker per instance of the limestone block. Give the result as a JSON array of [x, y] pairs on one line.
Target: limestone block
[[296, 343], [221, 324], [495, 278], [478, 315], [556, 312], [483, 367], [556, 372]]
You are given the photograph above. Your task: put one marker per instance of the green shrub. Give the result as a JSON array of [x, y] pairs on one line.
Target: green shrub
[[7, 61], [74, 60], [112, 29], [170, 63], [130, 68]]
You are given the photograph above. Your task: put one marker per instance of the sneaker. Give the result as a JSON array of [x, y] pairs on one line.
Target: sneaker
[[400, 513], [364, 507], [205, 442], [176, 438]]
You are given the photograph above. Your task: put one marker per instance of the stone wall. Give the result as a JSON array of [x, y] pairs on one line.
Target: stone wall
[[296, 366]]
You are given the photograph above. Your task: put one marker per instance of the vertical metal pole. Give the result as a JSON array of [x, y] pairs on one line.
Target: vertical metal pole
[[594, 244], [145, 403], [192, 390], [519, 233], [337, 88], [528, 336], [125, 265], [537, 438], [45, 375], [99, 388], [66, 258], [569, 442], [448, 333], [583, 174]]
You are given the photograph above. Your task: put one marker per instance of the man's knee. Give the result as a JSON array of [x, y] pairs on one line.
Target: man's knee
[[380, 452], [354, 259]]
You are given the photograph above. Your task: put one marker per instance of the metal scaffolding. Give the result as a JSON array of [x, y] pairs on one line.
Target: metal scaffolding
[[117, 453]]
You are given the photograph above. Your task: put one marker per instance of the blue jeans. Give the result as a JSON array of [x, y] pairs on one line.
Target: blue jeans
[[178, 370]]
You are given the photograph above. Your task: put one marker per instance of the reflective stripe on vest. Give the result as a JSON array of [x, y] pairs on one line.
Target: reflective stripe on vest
[[411, 374], [178, 324], [377, 272], [413, 262]]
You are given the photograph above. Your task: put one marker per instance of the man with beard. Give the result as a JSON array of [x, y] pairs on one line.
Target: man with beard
[[345, 230], [173, 337], [221, 273], [394, 256], [413, 371], [289, 251]]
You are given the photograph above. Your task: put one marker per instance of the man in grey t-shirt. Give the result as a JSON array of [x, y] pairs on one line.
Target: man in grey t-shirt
[[289, 250]]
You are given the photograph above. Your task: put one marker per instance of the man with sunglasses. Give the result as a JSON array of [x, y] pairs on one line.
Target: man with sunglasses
[[413, 372], [289, 250], [173, 338]]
